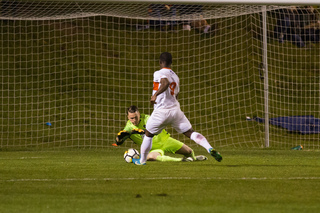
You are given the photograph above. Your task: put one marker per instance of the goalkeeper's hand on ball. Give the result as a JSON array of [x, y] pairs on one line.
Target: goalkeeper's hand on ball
[[122, 136]]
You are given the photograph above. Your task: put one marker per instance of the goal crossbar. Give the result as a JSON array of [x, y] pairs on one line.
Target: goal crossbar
[[222, 2]]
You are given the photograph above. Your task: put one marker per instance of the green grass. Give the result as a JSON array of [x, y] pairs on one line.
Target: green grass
[[81, 74], [247, 180]]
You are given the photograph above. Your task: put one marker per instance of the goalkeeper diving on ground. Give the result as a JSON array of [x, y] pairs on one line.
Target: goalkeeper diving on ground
[[162, 143]]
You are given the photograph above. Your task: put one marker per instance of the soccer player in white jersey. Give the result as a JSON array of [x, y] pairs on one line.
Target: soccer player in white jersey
[[167, 111]]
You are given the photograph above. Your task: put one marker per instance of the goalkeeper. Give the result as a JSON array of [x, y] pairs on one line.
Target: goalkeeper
[[161, 143]]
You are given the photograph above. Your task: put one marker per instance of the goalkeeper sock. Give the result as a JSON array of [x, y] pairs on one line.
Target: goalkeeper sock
[[167, 158], [145, 149], [201, 140]]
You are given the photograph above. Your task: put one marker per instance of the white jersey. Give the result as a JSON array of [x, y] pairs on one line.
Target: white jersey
[[167, 99]]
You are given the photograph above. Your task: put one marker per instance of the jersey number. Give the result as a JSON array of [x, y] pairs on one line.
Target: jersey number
[[172, 86]]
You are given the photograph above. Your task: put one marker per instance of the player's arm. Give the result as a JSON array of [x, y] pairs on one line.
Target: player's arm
[[124, 135], [164, 84], [137, 131]]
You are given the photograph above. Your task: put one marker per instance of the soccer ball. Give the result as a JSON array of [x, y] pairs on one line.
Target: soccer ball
[[129, 154]]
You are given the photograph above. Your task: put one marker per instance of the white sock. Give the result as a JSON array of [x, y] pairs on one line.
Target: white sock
[[201, 140], [145, 148]]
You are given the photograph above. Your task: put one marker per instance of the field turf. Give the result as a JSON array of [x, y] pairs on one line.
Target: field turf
[[98, 180]]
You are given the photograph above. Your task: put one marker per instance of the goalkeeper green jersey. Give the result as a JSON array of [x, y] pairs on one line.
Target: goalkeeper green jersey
[[136, 138]]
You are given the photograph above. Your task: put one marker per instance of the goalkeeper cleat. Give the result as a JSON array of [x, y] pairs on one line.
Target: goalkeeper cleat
[[215, 154], [201, 158], [187, 159], [137, 162]]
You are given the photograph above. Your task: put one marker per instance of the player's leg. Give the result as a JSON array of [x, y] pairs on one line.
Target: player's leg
[[145, 148], [154, 126], [189, 153], [186, 151], [158, 155], [202, 141], [183, 125], [198, 138], [174, 146]]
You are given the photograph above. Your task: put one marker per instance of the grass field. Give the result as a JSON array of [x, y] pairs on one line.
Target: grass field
[[251, 180], [81, 74]]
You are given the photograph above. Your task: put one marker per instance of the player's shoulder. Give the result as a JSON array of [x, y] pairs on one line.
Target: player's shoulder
[[144, 116], [158, 72], [129, 125], [164, 72]]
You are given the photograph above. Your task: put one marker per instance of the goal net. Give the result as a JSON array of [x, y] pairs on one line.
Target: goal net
[[69, 70]]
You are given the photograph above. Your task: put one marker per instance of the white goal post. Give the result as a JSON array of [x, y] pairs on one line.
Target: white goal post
[[70, 68]]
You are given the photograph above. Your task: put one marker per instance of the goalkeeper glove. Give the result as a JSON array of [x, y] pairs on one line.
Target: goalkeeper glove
[[122, 136], [137, 131]]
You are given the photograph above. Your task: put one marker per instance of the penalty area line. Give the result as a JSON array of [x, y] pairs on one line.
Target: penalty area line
[[157, 178]]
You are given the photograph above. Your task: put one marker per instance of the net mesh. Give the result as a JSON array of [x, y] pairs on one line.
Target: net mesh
[[69, 70]]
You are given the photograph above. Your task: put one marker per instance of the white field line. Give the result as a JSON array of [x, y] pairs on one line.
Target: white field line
[[22, 158], [156, 178]]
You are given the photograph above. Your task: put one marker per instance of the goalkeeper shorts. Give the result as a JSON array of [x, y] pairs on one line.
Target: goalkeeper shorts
[[171, 145]]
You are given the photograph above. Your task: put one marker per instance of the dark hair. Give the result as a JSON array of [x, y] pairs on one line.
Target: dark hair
[[166, 58], [132, 109]]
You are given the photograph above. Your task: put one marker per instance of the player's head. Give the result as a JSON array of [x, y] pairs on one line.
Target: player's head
[[165, 59], [133, 115]]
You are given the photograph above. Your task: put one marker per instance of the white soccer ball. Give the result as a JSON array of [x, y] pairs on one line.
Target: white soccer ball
[[129, 154]]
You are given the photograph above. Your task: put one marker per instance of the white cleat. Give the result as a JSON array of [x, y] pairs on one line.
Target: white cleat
[[188, 159], [201, 158]]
